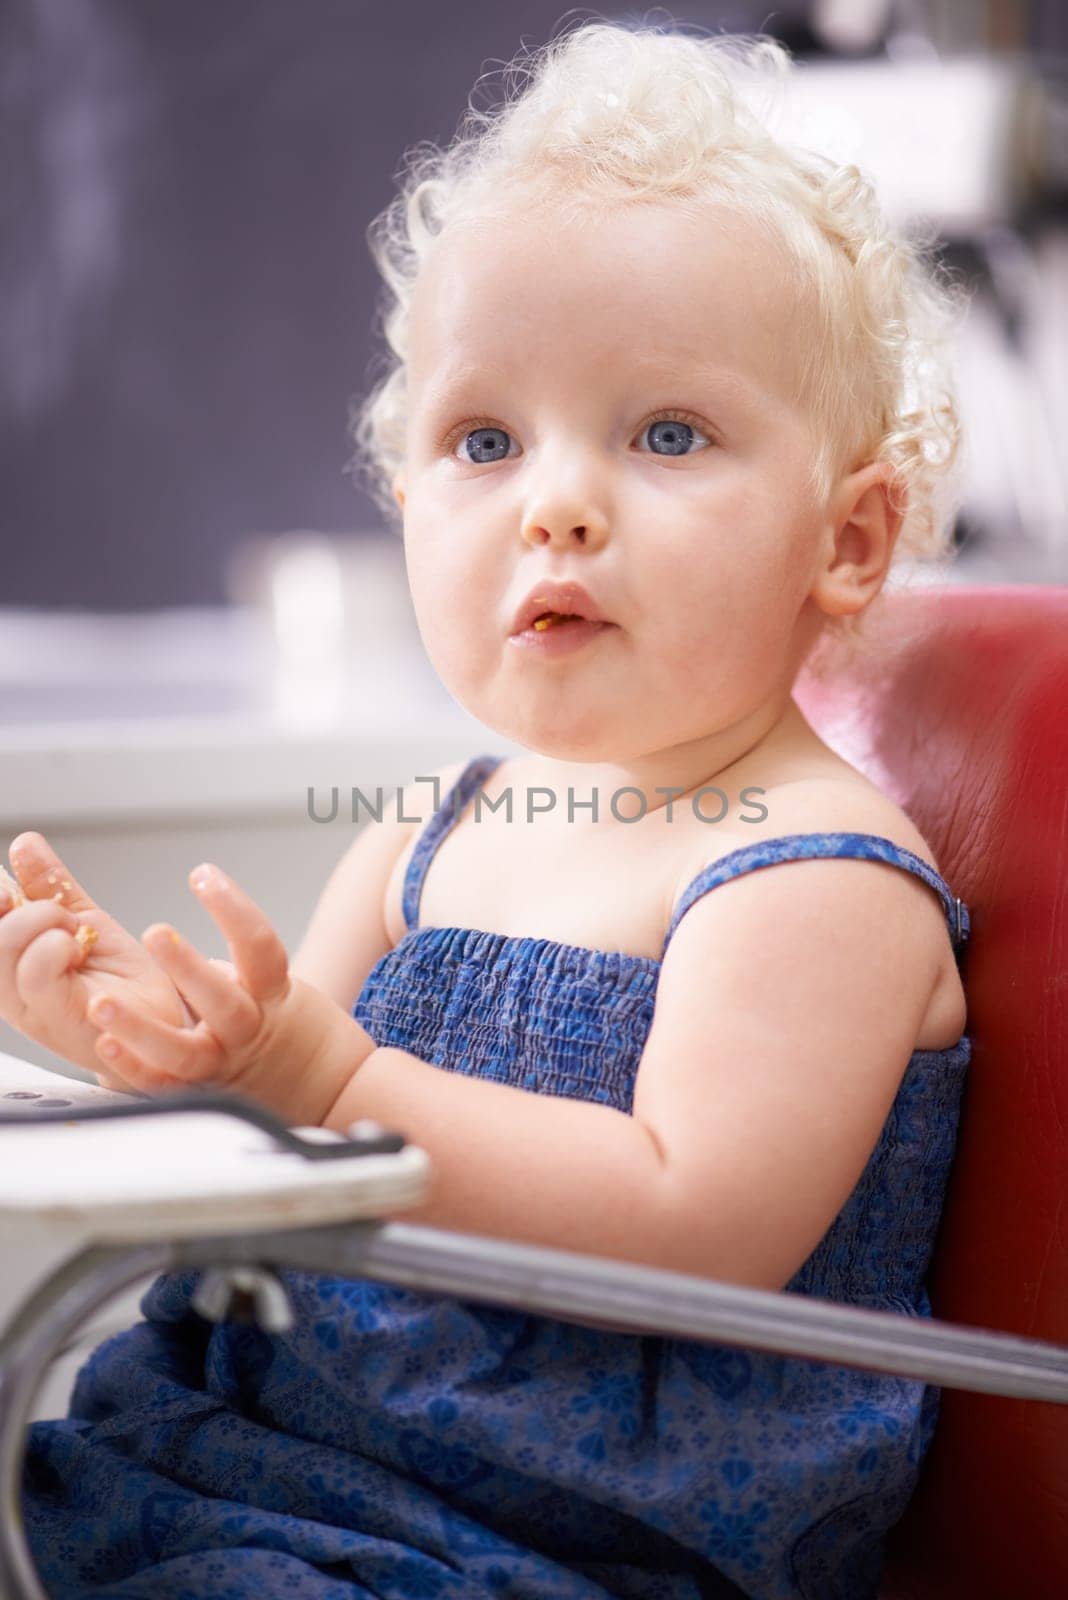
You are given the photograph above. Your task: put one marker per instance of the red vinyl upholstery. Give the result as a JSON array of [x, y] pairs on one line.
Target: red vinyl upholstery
[[965, 725]]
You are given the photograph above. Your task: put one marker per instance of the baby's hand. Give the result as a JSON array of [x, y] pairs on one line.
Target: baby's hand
[[261, 1033], [59, 949]]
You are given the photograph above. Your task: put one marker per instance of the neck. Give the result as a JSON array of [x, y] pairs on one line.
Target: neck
[[713, 760]]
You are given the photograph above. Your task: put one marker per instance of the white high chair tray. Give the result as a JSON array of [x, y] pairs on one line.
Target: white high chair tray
[[179, 1175]]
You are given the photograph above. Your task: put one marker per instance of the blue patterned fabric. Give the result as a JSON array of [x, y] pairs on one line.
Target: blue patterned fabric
[[402, 1445]]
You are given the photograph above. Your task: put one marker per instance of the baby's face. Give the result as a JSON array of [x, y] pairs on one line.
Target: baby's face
[[613, 402]]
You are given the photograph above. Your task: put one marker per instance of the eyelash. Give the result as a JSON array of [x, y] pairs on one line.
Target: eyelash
[[453, 437]]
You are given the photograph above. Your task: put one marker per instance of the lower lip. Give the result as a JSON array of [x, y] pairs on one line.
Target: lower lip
[[561, 639]]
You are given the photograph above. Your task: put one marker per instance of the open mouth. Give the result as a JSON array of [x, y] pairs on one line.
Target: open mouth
[[556, 633], [552, 619]]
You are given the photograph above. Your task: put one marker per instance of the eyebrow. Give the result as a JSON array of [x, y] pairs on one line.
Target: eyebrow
[[442, 392], [736, 384]]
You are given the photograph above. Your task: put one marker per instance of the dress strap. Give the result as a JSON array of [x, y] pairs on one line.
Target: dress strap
[[444, 819], [800, 846]]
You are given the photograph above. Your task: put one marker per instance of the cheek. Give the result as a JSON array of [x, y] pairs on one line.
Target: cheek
[[729, 600], [451, 599], [428, 586]]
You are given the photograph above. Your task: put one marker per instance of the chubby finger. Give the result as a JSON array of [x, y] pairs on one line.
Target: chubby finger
[[44, 963], [20, 924], [211, 988], [257, 952], [150, 1053], [109, 1077], [41, 874], [121, 1069], [20, 962], [112, 1080]]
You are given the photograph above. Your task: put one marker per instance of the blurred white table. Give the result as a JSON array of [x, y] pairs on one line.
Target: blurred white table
[[176, 1175]]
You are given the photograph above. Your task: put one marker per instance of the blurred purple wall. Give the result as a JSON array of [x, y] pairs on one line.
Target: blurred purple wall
[[186, 294]]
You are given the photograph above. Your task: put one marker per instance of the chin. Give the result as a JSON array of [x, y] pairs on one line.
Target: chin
[[545, 719], [571, 742]]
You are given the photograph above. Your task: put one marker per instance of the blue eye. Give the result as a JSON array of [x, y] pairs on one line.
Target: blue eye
[[487, 444], [672, 434]]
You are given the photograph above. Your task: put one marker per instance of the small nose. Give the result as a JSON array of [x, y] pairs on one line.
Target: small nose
[[565, 519], [536, 533]]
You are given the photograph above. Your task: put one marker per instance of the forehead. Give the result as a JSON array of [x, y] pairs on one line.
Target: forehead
[[657, 284]]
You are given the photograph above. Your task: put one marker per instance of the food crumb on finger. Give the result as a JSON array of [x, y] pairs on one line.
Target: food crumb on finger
[[86, 936]]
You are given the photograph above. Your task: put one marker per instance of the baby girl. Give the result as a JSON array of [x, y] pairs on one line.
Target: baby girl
[[666, 404]]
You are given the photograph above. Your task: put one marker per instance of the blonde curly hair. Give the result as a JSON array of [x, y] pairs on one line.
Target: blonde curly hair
[[607, 113]]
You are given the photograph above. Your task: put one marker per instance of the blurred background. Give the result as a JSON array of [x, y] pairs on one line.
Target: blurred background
[[186, 294], [202, 618]]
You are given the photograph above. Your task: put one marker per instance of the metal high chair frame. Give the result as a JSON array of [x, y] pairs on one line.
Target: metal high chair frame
[[240, 1282]]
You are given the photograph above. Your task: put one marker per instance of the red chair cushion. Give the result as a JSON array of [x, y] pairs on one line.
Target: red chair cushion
[[964, 722]]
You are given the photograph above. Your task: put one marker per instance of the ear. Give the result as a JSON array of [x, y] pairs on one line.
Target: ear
[[858, 540], [398, 489]]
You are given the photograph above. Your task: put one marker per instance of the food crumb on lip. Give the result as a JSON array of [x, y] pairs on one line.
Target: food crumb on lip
[[550, 618], [547, 620]]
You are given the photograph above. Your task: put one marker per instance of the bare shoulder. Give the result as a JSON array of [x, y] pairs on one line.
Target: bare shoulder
[[852, 804], [419, 805], [350, 929], [823, 804], [849, 803], [405, 810], [413, 808], [862, 808]]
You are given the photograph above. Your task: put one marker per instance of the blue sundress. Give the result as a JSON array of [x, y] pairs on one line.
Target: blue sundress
[[408, 1446]]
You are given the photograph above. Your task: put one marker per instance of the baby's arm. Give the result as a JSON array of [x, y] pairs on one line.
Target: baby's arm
[[788, 1007]]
